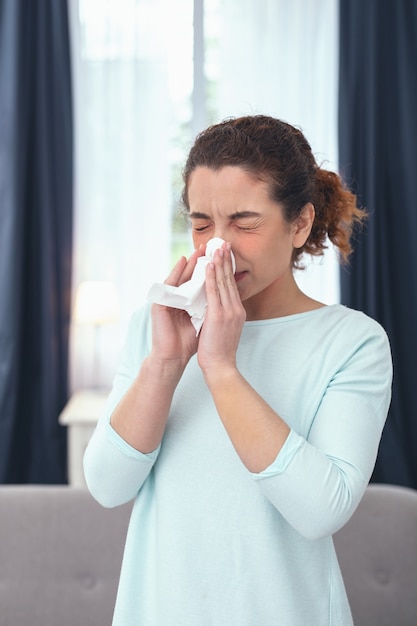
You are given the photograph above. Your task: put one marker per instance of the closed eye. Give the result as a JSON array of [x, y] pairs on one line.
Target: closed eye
[[247, 225], [199, 225], [240, 227], [246, 220], [199, 221], [199, 229]]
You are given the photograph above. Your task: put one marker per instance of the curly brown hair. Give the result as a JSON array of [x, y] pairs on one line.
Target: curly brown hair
[[278, 153]]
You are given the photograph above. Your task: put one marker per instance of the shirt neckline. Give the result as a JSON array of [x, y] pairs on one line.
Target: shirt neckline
[[293, 317]]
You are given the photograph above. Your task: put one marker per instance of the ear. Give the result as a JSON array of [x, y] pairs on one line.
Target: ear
[[303, 225]]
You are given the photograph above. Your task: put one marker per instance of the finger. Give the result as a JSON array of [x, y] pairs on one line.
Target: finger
[[183, 269], [228, 266], [212, 290], [192, 262], [176, 272], [224, 277], [215, 284]]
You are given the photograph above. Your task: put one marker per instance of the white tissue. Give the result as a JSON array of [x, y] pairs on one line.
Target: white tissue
[[190, 296]]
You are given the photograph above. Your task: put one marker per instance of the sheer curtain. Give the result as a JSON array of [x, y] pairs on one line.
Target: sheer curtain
[[133, 85], [281, 58], [128, 103]]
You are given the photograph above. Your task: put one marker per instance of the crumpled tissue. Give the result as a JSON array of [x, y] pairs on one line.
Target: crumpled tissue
[[191, 295]]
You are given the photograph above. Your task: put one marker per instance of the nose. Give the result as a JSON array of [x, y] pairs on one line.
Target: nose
[[221, 233], [225, 231], [226, 235]]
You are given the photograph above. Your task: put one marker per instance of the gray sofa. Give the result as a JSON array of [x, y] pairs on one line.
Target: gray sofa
[[60, 556], [377, 551]]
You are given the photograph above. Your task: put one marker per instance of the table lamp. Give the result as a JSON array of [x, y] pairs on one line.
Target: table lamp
[[96, 304]]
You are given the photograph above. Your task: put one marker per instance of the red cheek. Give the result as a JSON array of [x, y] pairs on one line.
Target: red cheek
[[248, 247], [199, 238]]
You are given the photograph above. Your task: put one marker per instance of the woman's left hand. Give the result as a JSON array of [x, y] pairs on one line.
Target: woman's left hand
[[225, 316]]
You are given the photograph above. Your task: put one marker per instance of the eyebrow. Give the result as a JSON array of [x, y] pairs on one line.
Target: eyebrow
[[233, 216]]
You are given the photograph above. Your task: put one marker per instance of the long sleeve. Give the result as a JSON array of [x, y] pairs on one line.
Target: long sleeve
[[318, 479], [114, 471]]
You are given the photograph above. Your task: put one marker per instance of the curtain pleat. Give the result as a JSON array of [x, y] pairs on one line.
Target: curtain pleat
[[378, 158], [35, 238]]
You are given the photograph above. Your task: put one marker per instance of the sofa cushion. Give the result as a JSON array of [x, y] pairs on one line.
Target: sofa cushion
[[60, 556]]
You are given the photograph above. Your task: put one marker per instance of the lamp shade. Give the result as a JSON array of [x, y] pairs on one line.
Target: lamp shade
[[96, 302]]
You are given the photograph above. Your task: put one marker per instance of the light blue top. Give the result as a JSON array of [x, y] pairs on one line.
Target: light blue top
[[209, 543]]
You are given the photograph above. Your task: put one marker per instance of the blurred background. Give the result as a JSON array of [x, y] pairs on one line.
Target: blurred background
[[100, 101]]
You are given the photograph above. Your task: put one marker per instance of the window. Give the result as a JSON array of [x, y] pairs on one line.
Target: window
[[148, 75]]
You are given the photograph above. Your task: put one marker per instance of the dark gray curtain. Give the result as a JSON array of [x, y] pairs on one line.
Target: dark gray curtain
[[35, 238], [378, 157]]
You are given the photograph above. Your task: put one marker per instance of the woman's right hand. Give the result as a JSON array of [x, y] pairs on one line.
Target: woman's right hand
[[141, 415], [173, 335]]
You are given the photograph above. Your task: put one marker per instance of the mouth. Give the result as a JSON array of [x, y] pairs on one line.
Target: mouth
[[239, 276]]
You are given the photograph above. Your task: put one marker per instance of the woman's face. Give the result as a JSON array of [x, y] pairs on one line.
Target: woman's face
[[231, 204]]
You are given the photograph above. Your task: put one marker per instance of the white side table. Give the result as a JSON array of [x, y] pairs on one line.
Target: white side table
[[80, 415]]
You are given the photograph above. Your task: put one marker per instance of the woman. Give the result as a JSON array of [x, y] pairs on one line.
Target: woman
[[247, 446]]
